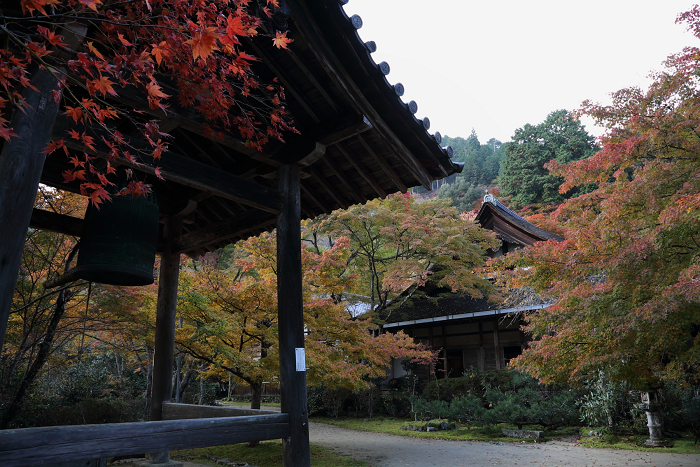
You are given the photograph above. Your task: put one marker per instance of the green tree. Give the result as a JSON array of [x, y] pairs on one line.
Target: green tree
[[463, 195], [523, 176], [481, 166], [495, 152]]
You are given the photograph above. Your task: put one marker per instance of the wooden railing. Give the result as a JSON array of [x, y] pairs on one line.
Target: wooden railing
[[27, 447]]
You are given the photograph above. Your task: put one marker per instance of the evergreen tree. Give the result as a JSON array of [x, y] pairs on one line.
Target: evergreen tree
[[463, 194], [523, 175]]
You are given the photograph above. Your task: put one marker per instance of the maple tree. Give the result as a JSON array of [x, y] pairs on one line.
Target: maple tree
[[50, 328], [229, 306], [166, 52], [626, 281], [397, 244]]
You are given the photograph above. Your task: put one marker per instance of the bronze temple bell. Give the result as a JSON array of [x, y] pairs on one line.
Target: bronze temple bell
[[119, 241]]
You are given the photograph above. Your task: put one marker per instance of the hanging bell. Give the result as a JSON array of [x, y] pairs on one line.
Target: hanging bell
[[119, 241]]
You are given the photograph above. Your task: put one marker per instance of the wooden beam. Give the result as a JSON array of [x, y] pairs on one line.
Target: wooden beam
[[307, 149], [385, 167], [37, 446], [180, 169], [177, 411], [368, 178], [54, 222], [223, 230], [290, 318], [164, 342], [21, 164], [283, 77], [359, 197], [186, 118], [346, 128], [319, 203], [301, 152], [318, 176]]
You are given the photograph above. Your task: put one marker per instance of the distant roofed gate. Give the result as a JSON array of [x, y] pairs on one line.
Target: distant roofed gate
[[357, 141]]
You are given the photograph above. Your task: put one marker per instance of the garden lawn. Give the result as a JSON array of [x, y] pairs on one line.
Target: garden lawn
[[633, 441], [267, 454], [463, 432]]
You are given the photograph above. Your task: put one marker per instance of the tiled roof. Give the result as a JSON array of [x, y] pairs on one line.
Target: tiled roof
[[494, 208]]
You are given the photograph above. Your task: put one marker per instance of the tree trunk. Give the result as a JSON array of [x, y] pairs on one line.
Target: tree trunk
[[42, 356], [256, 391], [149, 380], [256, 399]]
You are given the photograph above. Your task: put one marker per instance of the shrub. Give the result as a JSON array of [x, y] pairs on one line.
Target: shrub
[[314, 398], [690, 407], [498, 396], [477, 384], [452, 388], [396, 404], [469, 408], [528, 406], [334, 400], [609, 404], [368, 400], [428, 410]]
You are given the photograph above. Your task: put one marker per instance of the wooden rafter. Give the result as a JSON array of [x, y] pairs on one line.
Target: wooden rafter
[[219, 231], [284, 79], [318, 177], [382, 163], [320, 204], [360, 169], [187, 172], [321, 89], [357, 195]]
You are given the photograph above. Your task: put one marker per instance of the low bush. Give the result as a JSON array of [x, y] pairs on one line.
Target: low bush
[[609, 404], [498, 396], [88, 411], [476, 383]]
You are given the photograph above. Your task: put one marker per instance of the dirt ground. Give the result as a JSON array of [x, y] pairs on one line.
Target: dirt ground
[[383, 450]]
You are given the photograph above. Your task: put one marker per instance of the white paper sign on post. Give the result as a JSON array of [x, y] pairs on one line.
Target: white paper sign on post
[[301, 359]]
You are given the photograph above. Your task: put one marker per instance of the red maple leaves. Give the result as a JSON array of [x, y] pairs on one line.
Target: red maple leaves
[[137, 45]]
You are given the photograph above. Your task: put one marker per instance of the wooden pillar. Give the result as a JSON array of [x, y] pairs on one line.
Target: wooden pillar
[[166, 308], [21, 163], [291, 320], [482, 351], [497, 345]]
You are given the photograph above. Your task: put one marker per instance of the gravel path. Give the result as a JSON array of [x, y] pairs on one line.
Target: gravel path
[[382, 450]]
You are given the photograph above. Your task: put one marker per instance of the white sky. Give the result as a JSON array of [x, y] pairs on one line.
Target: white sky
[[495, 65]]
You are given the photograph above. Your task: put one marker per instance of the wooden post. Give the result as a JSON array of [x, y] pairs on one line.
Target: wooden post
[[497, 345], [166, 309], [21, 163], [291, 320]]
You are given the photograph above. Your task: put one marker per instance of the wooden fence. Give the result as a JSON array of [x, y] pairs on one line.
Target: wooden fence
[[89, 445]]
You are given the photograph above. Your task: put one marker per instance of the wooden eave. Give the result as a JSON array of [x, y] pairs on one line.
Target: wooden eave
[[510, 227], [358, 140]]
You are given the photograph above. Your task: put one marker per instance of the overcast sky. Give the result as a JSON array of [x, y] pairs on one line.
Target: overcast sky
[[495, 65]]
